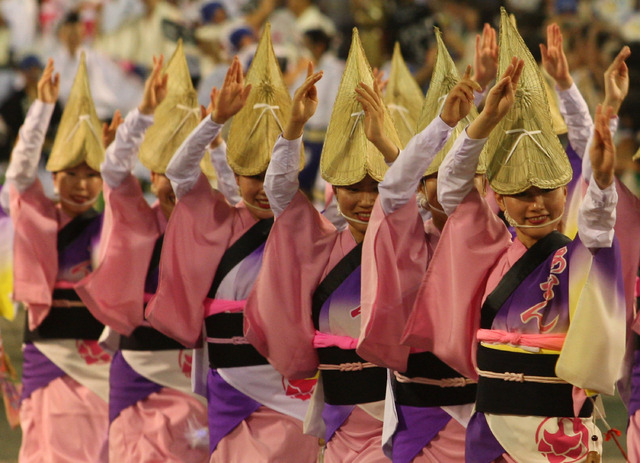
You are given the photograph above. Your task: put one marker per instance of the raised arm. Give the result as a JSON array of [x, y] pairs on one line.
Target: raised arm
[[455, 178], [184, 168], [23, 167], [120, 156], [226, 177], [597, 215], [573, 107], [402, 179], [616, 88], [485, 61], [281, 180]]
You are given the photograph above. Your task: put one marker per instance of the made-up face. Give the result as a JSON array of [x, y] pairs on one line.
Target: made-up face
[[253, 195], [161, 187], [356, 202], [78, 188], [534, 207]]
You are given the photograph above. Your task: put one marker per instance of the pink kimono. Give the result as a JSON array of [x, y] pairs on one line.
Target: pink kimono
[[557, 310], [65, 373], [302, 250], [254, 413], [153, 413]]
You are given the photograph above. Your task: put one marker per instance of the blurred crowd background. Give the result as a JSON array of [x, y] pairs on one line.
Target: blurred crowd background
[[120, 36]]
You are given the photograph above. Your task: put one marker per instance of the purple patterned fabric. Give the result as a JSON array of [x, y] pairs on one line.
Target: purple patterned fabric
[[417, 426], [481, 445], [76, 258], [126, 386], [37, 371], [334, 416], [226, 407], [634, 400]]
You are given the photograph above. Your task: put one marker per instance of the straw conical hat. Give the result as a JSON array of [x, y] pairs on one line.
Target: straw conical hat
[[445, 76], [79, 136], [347, 155], [525, 150], [256, 127], [403, 97], [174, 118]]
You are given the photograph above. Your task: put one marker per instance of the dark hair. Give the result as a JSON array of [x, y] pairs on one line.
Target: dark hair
[[318, 37]]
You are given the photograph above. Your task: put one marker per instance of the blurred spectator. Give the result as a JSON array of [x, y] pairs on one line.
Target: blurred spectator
[[14, 109], [111, 87]]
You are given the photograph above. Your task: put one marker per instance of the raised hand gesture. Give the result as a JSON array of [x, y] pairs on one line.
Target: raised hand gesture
[[232, 96], [499, 101], [616, 81], [553, 58], [373, 106], [485, 60], [109, 131], [459, 101], [155, 88], [603, 151], [305, 102], [378, 76], [49, 84]]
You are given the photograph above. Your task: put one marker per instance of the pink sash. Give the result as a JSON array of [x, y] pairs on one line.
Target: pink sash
[[328, 340], [542, 341], [216, 306]]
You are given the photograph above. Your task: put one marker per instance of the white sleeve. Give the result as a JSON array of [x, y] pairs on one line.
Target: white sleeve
[[576, 115], [587, 171], [184, 168], [402, 178], [456, 173], [226, 178], [23, 167], [281, 181], [597, 216], [120, 157]]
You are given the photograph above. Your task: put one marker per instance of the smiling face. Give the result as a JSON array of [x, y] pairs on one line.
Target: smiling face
[[356, 201], [161, 187], [78, 188], [253, 195], [535, 207]]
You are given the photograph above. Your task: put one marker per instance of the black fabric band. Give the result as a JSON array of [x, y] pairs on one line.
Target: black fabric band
[[530, 260], [227, 326], [333, 280], [350, 387], [523, 398], [427, 365], [65, 322], [145, 338], [71, 231], [243, 247], [155, 255]]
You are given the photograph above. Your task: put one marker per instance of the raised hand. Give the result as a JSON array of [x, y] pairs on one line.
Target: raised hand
[[378, 76], [305, 102], [233, 94], [616, 81], [553, 58], [49, 84], [373, 106], [485, 60], [499, 101], [603, 151], [109, 131], [459, 101], [155, 88]]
